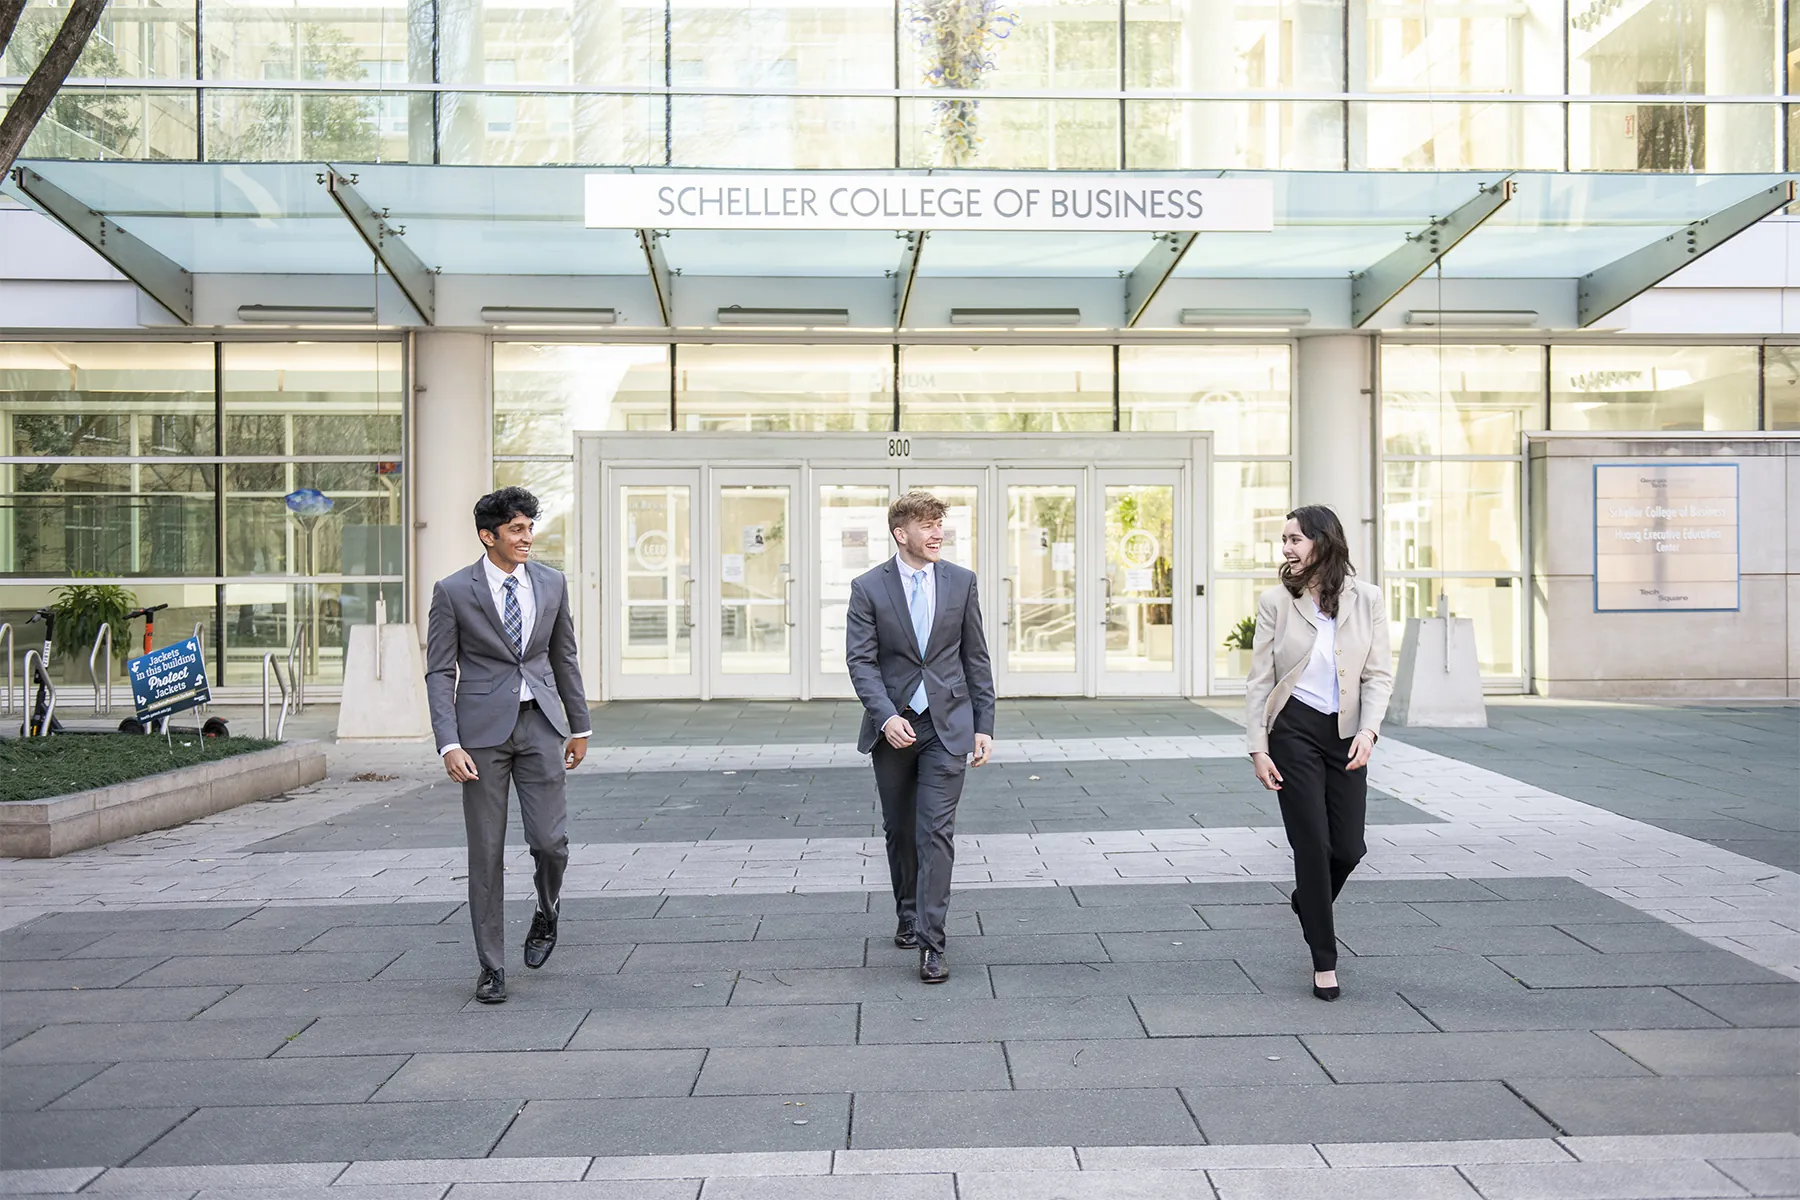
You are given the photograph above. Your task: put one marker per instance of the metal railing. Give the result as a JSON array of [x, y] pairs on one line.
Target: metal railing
[[102, 693], [6, 700], [272, 666], [296, 665], [35, 669]]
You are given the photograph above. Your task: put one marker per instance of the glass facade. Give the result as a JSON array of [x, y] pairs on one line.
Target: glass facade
[[164, 467], [1652, 388], [1676, 86]]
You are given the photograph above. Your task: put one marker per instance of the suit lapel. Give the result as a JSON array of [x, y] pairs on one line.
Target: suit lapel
[[939, 607], [902, 609], [484, 600], [543, 599], [1299, 603]]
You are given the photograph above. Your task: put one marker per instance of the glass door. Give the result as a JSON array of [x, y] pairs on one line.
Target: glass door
[[1141, 621], [851, 537], [756, 651], [649, 585], [1041, 638]]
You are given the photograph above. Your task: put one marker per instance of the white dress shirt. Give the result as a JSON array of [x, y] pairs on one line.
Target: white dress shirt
[[1318, 686], [908, 581]]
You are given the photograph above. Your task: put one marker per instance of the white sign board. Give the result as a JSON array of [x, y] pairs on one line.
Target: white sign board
[[1024, 200], [1665, 537]]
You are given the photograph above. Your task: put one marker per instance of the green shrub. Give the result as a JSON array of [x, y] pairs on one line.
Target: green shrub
[[1242, 635], [81, 609]]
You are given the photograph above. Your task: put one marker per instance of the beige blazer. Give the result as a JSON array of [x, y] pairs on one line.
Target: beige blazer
[[1284, 641]]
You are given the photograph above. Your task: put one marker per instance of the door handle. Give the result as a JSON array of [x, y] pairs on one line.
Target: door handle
[[787, 602], [1106, 609], [688, 601], [1007, 608]]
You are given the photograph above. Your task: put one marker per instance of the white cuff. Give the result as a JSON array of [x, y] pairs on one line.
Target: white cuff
[[582, 734], [447, 749]]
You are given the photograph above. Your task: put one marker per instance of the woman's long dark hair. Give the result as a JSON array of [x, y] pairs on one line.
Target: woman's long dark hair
[[1330, 566]]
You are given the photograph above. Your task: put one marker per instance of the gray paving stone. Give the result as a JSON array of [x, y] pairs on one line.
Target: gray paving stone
[[643, 1189], [608, 908], [24, 1088], [1426, 1057], [1196, 1158], [332, 1133], [1593, 909], [261, 1177], [45, 1181], [458, 962], [1737, 1104], [1642, 1148], [1161, 1062], [941, 1186], [1757, 1004], [1469, 939], [233, 1081], [544, 990], [1108, 919], [1082, 1185], [688, 1125], [785, 903], [1363, 888], [1184, 945], [372, 998], [496, 1028], [1281, 973], [82, 1139], [1598, 1181], [544, 1076], [1352, 1183], [409, 912], [397, 939], [1008, 898], [899, 981], [1209, 894], [1763, 1176], [463, 1170], [1535, 887], [744, 955], [1363, 1112], [1709, 1051], [960, 1160], [1443, 1153], [112, 920], [240, 939], [1633, 970], [261, 968], [1280, 916], [706, 1166], [415, 1191], [846, 925], [24, 945], [1562, 1008], [1120, 1116], [648, 930], [1621, 937], [978, 1020], [761, 1071], [1210, 1016], [1007, 949], [64, 974], [107, 1004], [152, 1041], [738, 1025], [1205, 976]]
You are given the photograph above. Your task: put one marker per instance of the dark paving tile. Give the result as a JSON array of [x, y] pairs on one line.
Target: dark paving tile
[[658, 930], [153, 1041], [1443, 1057], [877, 924], [1201, 977], [1209, 894], [1291, 973], [1109, 919], [233, 1082], [1738, 1104], [1480, 939], [82, 1139], [428, 912], [398, 939], [569, 1075], [332, 1133], [1633, 970], [69, 973], [738, 1025], [902, 1022], [1562, 1008], [1161, 1062], [1535, 887], [688, 1125], [784, 903], [1214, 1016], [899, 981], [1708, 1051], [1749, 1004], [108, 1004], [261, 968], [497, 1028], [745, 956], [24, 1087], [22, 945], [240, 939], [1091, 1117], [459, 962], [610, 908], [996, 899], [1184, 944], [1350, 918], [1011, 949], [1363, 1112], [1364, 890], [108, 920], [1589, 910], [374, 998], [762, 1071], [546, 991], [1635, 938]]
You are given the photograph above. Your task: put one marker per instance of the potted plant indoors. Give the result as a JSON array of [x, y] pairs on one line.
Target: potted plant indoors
[[1238, 644], [81, 609]]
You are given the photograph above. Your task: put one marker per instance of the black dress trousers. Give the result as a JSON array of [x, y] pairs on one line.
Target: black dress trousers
[[1324, 806]]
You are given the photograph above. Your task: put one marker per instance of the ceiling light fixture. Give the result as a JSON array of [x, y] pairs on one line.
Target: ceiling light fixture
[[570, 317], [803, 317], [1506, 318], [309, 314], [1015, 316], [1238, 318]]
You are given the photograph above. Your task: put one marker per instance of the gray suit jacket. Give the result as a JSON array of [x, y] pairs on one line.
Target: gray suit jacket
[[471, 676], [885, 663]]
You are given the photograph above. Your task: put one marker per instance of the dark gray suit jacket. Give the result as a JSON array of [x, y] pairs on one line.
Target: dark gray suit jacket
[[885, 663], [471, 676]]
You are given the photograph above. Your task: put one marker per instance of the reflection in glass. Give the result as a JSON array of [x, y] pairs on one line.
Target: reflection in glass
[[1257, 135], [543, 392], [1781, 388], [1251, 501], [135, 39], [360, 535], [1451, 516], [853, 537], [1651, 388], [91, 123], [244, 126], [1140, 578], [329, 397], [1006, 389], [1460, 399], [523, 129], [1493, 604], [1018, 135], [553, 483], [795, 132], [784, 389], [608, 42], [1241, 393], [1041, 633], [1486, 135], [755, 577], [107, 519], [656, 564], [1232, 601], [261, 618], [113, 399]]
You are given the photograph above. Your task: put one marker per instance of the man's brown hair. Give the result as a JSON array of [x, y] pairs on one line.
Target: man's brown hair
[[915, 506]]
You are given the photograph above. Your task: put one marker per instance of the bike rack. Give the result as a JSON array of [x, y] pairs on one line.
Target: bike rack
[[271, 666], [102, 696], [33, 659], [296, 665], [6, 699]]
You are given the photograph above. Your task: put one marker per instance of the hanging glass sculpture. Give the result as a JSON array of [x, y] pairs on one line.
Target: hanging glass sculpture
[[958, 39]]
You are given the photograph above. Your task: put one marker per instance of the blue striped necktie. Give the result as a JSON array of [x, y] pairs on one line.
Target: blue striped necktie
[[513, 618]]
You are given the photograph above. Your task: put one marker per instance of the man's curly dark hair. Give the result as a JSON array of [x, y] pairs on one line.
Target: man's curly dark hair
[[498, 508]]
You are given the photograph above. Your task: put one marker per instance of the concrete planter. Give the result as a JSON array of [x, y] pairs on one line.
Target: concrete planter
[[57, 825]]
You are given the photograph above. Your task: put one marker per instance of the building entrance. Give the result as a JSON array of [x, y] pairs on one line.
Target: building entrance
[[720, 565]]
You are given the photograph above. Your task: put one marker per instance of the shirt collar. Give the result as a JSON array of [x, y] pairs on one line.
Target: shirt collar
[[929, 568], [497, 578]]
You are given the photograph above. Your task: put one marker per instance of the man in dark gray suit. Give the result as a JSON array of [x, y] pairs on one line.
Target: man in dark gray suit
[[507, 705], [919, 662]]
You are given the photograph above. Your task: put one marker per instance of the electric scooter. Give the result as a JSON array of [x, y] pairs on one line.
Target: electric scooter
[[214, 726], [43, 709]]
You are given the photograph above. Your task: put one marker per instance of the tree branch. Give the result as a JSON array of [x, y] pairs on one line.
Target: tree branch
[[9, 20], [33, 100]]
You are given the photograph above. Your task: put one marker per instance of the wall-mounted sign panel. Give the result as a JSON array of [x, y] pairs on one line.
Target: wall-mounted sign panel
[[1021, 201], [1665, 537]]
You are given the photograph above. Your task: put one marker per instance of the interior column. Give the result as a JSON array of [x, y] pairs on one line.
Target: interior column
[[1334, 443], [452, 457]]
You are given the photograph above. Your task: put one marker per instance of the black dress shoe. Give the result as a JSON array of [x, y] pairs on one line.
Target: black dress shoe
[[932, 968], [491, 987], [906, 936], [541, 940], [1326, 993]]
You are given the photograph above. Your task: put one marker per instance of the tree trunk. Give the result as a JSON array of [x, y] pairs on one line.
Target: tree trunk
[[33, 100], [9, 20]]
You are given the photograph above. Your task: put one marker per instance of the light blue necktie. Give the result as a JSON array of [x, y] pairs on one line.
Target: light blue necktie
[[921, 631]]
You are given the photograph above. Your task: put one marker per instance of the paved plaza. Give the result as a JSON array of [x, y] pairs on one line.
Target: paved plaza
[[1571, 968]]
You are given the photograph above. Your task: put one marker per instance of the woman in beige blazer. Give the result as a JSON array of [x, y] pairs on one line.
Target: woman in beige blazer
[[1320, 678]]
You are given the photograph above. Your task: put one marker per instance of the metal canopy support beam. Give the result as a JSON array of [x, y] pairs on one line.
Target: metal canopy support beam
[[1605, 289], [1147, 278], [166, 281], [1371, 290], [416, 280], [908, 272], [661, 278]]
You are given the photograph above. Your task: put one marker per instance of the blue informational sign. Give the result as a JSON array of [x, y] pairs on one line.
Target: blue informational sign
[[169, 680]]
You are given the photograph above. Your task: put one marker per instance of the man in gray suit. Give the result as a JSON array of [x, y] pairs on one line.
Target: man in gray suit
[[507, 706], [919, 662]]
